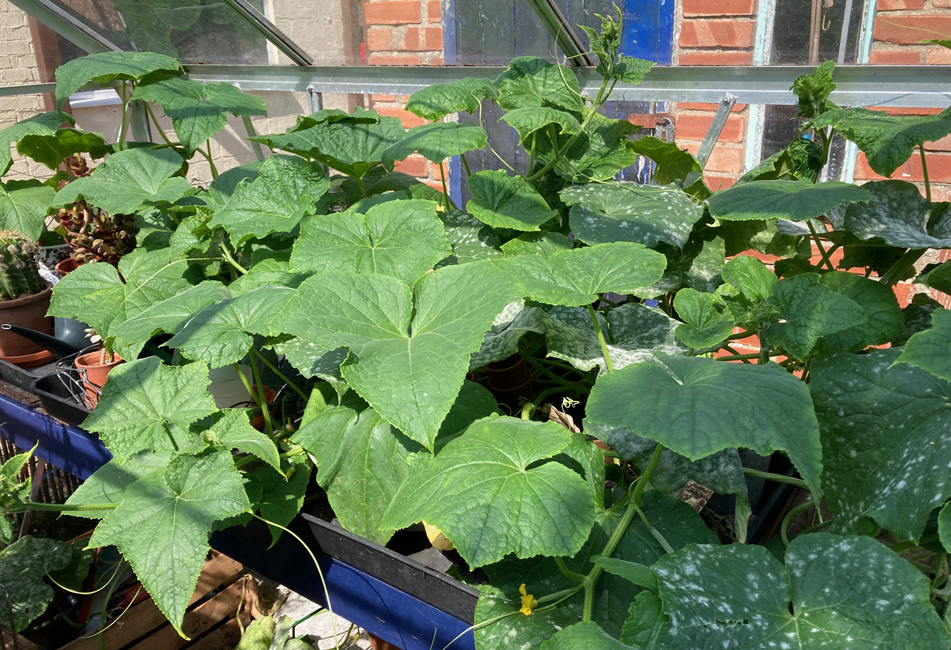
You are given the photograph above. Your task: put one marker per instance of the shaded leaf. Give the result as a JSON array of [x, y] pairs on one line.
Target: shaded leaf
[[673, 163], [108, 66], [436, 142], [528, 120], [44, 124], [706, 322], [439, 100], [531, 82], [793, 200], [898, 214], [504, 201], [24, 209]]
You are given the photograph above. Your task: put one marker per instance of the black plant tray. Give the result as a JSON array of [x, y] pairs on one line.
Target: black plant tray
[[58, 401], [406, 574], [23, 377]]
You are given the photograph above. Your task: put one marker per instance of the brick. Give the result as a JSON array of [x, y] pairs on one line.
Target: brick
[[433, 38], [408, 119], [391, 12], [721, 160], [382, 59], [694, 127], [437, 171], [903, 56], [911, 29], [937, 55], [944, 144], [718, 7], [412, 40], [714, 58], [701, 106], [898, 5], [716, 33], [942, 3], [380, 39], [420, 39], [906, 110], [939, 169], [717, 182], [414, 166], [434, 10], [437, 60], [383, 98]]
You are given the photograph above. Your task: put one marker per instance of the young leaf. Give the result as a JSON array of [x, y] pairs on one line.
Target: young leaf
[[350, 147], [439, 100], [598, 154], [222, 334], [129, 178], [673, 163], [528, 120], [883, 315], [106, 485], [741, 596], [531, 82], [937, 278], [885, 439], [197, 110], [793, 200], [579, 276], [23, 568], [233, 430], [436, 142], [588, 635], [108, 66], [504, 201], [424, 337], [24, 209], [163, 523], [501, 342], [632, 332], [284, 192], [624, 211], [480, 492], [537, 243], [283, 493], [639, 574], [400, 238], [809, 309], [646, 622], [928, 350], [706, 325], [44, 124], [52, 149], [675, 405], [147, 405], [750, 277], [813, 91], [363, 462], [887, 140], [899, 215], [221, 188], [267, 272]]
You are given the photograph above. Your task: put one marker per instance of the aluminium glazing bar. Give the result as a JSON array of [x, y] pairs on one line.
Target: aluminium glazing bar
[[566, 39], [26, 89], [271, 32], [858, 85], [66, 25]]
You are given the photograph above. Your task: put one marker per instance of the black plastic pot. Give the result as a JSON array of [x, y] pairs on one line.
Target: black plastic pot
[[57, 400]]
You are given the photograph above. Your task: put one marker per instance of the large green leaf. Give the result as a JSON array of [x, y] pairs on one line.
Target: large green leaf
[[423, 337], [147, 405], [680, 405], [883, 315], [104, 298], [537, 243], [899, 215], [471, 240], [504, 201], [501, 341], [168, 315], [793, 200], [885, 440], [313, 360], [163, 523], [938, 277], [929, 349], [23, 568], [44, 124], [106, 485], [233, 430], [531, 82], [351, 147], [625, 211], [588, 635], [887, 140], [577, 277], [480, 491], [222, 334], [221, 188], [24, 208], [399, 238], [528, 120], [128, 179], [834, 592], [436, 101], [363, 462], [673, 163], [436, 142], [284, 192], [646, 623], [109, 66], [52, 149], [809, 309], [706, 322], [197, 110], [697, 266], [632, 332], [597, 154]]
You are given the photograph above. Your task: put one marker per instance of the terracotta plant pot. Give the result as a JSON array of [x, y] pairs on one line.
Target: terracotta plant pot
[[29, 312], [509, 380], [93, 374], [66, 267], [269, 396]]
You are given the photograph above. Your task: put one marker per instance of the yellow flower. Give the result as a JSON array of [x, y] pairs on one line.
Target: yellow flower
[[528, 601]]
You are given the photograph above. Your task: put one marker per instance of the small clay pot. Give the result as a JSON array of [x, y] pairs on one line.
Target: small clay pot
[[28, 312], [509, 380], [66, 267], [269, 396], [94, 374]]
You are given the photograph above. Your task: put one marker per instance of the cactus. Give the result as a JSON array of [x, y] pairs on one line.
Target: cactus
[[19, 272]]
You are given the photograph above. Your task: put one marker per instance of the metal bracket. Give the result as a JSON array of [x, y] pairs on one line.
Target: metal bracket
[[139, 121], [554, 21], [271, 32], [716, 127], [66, 25]]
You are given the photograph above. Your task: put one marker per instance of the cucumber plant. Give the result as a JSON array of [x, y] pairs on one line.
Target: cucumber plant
[[380, 296]]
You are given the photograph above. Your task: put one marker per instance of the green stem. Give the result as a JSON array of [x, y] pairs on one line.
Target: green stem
[[822, 250], [568, 573], [233, 262], [802, 507], [211, 163], [363, 188], [558, 596], [558, 152], [664, 544], [262, 401], [901, 265], [924, 171], [738, 357], [465, 163], [545, 371], [445, 191], [527, 410], [643, 479], [168, 432], [601, 341], [158, 127], [777, 478], [125, 121], [280, 375], [591, 580]]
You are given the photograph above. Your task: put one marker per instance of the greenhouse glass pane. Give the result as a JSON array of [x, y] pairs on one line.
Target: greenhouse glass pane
[[195, 31]]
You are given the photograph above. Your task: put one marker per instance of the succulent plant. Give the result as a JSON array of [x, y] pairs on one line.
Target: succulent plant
[[92, 234], [19, 272]]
